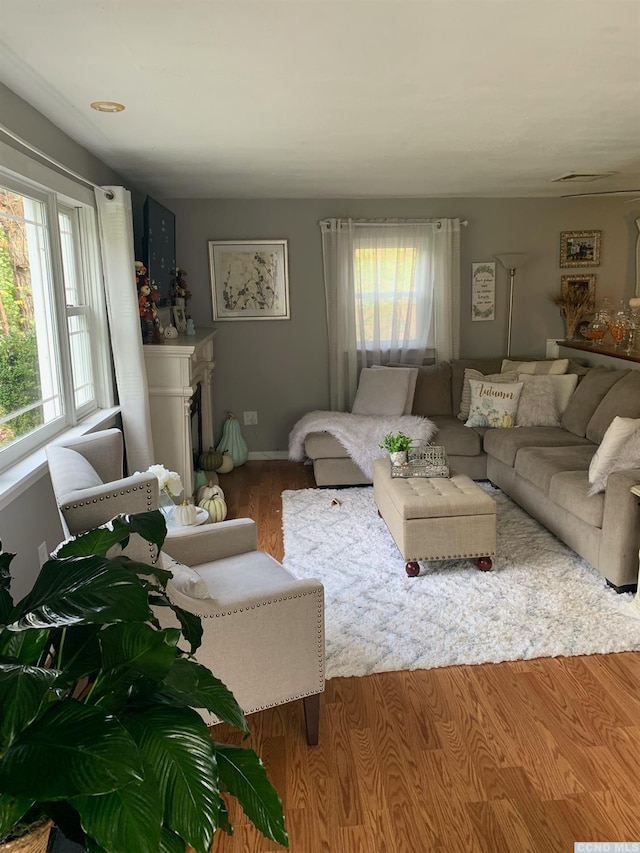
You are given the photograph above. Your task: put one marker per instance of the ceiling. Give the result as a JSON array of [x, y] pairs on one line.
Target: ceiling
[[338, 98]]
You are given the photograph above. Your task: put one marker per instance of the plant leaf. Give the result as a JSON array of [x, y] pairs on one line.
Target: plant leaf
[[6, 602], [191, 625], [125, 820], [223, 818], [24, 647], [170, 842], [84, 750], [150, 525], [242, 773], [192, 684], [11, 810], [22, 689], [177, 745], [81, 591]]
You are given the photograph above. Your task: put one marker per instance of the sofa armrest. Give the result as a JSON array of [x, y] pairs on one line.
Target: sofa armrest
[[620, 527], [87, 508], [212, 541]]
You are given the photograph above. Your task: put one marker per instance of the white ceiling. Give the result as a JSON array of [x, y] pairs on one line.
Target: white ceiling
[[301, 98]]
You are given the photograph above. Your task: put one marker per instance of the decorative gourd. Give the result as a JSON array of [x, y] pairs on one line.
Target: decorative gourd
[[227, 464], [185, 513], [209, 491], [210, 460], [215, 506], [232, 441]]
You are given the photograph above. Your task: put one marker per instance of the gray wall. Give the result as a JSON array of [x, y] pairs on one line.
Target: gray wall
[[279, 368], [33, 517]]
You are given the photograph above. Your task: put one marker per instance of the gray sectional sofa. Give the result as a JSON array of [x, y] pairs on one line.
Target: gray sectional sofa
[[544, 469]]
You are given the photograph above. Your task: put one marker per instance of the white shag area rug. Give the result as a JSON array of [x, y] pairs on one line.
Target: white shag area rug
[[539, 600]]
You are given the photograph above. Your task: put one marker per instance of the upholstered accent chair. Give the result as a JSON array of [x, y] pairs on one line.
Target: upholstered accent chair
[[263, 628]]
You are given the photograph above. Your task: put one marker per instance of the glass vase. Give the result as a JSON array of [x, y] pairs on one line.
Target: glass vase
[[167, 507]]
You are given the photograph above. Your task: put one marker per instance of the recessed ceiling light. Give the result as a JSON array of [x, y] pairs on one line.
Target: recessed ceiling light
[[107, 106]]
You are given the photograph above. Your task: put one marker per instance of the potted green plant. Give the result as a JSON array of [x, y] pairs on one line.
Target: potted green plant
[[98, 728], [397, 444]]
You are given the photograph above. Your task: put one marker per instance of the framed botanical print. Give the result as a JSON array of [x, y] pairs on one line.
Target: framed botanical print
[[580, 248], [249, 279], [585, 283]]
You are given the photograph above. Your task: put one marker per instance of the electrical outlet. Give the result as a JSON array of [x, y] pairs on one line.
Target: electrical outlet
[[250, 418], [43, 553]]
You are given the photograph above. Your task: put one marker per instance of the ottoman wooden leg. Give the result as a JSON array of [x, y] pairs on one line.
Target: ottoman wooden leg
[[484, 564], [412, 569]]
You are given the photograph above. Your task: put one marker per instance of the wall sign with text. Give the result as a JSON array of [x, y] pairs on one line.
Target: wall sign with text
[[483, 291]]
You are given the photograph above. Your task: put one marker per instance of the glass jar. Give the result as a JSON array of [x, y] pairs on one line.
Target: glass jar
[[619, 325], [596, 330]]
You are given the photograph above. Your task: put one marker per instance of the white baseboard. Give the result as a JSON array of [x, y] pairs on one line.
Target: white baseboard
[[268, 454]]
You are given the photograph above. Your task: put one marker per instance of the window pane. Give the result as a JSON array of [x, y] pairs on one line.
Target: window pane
[[385, 287], [80, 345], [71, 287], [30, 393]]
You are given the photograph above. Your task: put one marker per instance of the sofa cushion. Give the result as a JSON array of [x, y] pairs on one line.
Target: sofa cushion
[[384, 391], [457, 439], [622, 400], [72, 471], [587, 397], [432, 394], [539, 465], [412, 374], [535, 367], [459, 365], [323, 445], [469, 374], [504, 444], [569, 489]]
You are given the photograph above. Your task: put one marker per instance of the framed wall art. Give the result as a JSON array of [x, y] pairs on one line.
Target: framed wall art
[[585, 283], [483, 291], [580, 248], [159, 246], [249, 279], [179, 319]]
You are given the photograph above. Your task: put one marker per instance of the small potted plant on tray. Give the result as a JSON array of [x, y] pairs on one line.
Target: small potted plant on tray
[[99, 732], [397, 444]]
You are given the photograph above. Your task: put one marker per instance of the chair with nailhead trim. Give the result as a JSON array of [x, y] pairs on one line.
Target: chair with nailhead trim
[[263, 628]]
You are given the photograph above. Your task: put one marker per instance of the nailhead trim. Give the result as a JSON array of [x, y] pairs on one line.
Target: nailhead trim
[[453, 556]]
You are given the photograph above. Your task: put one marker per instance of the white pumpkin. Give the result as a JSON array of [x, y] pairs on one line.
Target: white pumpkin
[[185, 513], [209, 491], [227, 464], [215, 506]]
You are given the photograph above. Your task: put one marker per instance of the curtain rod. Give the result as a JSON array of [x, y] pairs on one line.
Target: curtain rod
[[367, 222], [60, 166]]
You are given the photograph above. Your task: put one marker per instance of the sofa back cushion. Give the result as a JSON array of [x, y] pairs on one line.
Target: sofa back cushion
[[432, 395], [458, 366], [587, 397], [622, 400]]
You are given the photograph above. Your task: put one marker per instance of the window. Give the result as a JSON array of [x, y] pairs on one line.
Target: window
[[51, 317]]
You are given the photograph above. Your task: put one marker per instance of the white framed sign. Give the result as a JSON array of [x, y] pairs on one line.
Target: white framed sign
[[483, 291]]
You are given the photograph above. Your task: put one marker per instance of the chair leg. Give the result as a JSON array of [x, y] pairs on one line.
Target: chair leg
[[312, 718]]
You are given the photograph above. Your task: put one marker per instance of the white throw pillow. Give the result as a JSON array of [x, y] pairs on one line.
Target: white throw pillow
[[384, 391], [471, 373], [619, 432], [537, 405], [411, 387], [185, 579], [563, 386], [493, 404], [535, 368]]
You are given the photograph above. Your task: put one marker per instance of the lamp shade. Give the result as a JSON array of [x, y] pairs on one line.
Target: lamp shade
[[513, 260]]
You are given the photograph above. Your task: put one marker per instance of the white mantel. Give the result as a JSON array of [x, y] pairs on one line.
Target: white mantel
[[174, 370]]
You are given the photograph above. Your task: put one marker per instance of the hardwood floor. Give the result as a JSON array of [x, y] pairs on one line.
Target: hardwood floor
[[498, 758]]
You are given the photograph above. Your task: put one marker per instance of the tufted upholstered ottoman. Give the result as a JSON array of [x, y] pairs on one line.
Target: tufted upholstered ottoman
[[436, 518]]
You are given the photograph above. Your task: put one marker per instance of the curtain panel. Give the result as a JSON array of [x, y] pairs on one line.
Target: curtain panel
[[392, 290]]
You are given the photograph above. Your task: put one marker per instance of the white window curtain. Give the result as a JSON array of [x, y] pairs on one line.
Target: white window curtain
[[392, 292], [116, 239]]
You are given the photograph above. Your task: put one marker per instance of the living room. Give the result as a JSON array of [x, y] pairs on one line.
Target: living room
[[279, 369]]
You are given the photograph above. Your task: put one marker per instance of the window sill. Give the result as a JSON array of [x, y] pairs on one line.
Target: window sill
[[21, 476]]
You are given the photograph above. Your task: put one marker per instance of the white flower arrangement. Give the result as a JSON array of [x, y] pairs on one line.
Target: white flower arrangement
[[168, 481]]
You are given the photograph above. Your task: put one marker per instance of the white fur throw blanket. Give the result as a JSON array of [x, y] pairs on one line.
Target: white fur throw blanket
[[360, 435]]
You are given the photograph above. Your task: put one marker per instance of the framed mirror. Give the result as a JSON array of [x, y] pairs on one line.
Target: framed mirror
[[159, 246]]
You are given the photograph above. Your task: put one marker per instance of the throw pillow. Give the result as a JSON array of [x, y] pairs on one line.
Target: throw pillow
[[185, 579], [411, 387], [537, 405], [563, 387], [629, 455], [73, 471], [493, 404], [383, 391], [618, 433], [469, 374], [556, 365]]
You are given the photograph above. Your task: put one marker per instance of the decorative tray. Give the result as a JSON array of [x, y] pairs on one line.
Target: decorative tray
[[426, 460]]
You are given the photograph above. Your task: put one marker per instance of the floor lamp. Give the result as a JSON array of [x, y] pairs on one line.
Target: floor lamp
[[511, 262]]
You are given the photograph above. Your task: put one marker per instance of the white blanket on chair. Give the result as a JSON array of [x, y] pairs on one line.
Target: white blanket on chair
[[360, 435]]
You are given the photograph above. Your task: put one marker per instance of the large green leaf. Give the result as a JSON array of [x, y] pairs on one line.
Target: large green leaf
[[84, 751], [177, 745], [23, 647], [242, 774], [6, 602], [190, 683], [78, 654], [81, 591], [150, 525], [22, 690], [125, 820], [191, 625], [170, 842], [128, 652], [11, 810]]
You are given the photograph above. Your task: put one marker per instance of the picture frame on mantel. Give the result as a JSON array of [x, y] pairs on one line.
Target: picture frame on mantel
[[580, 248], [249, 279]]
